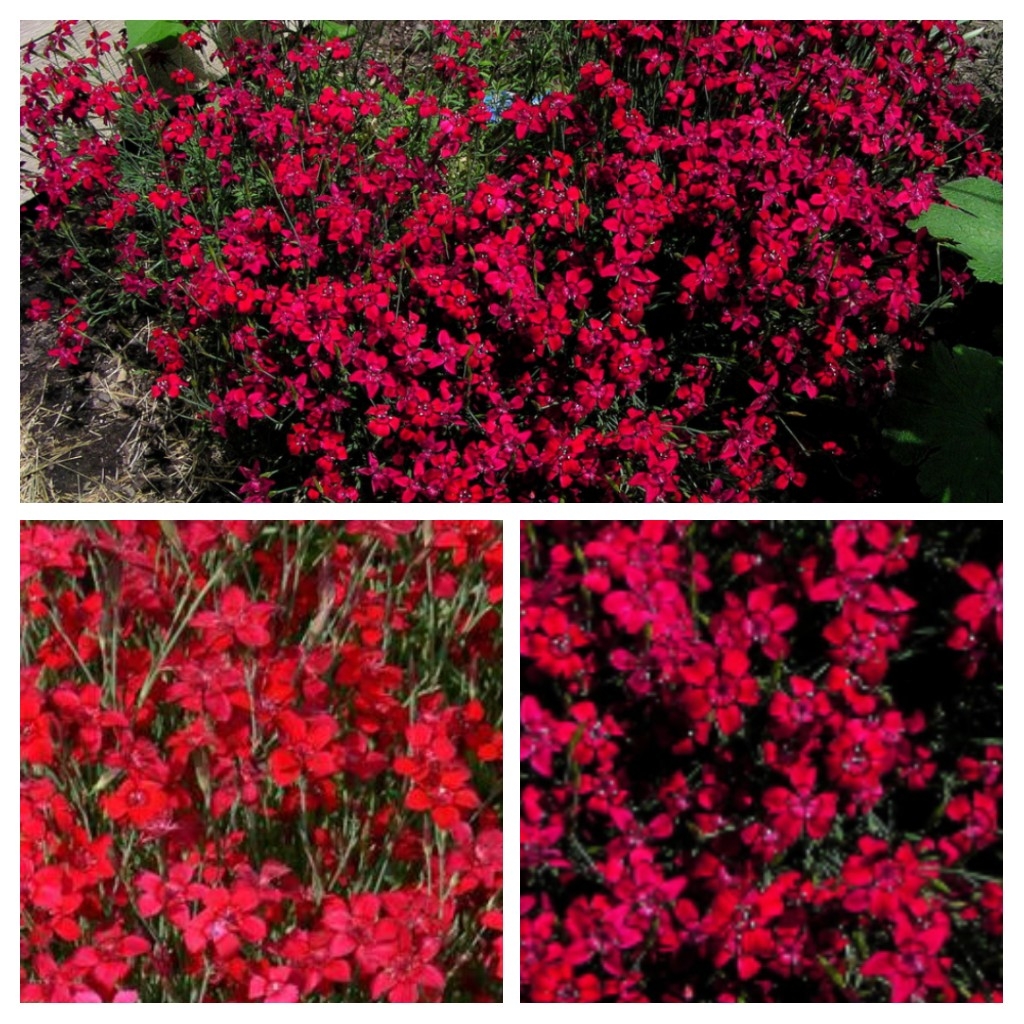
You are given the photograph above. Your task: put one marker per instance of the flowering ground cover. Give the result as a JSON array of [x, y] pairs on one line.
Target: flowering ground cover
[[261, 761], [611, 261], [761, 761]]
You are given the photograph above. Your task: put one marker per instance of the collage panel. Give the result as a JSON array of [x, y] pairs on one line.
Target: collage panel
[[261, 761], [512, 261], [761, 761]]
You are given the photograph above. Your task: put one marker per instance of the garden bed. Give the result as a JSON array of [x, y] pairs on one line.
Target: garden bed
[[695, 375]]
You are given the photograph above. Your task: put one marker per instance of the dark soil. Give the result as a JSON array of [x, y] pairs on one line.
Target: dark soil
[[78, 438], [405, 46], [92, 432]]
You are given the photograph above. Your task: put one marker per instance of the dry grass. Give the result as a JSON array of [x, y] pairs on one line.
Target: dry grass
[[99, 435]]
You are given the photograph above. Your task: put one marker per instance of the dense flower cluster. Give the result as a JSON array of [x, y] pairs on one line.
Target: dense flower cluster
[[683, 273], [761, 762], [261, 762]]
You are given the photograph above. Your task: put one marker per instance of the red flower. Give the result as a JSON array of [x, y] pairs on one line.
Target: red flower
[[881, 884], [539, 742], [228, 918], [761, 620], [445, 794], [36, 730], [555, 645], [137, 801], [52, 891], [709, 276], [986, 604], [274, 986], [914, 970], [979, 815], [407, 969], [719, 689], [802, 812], [741, 922], [304, 748], [806, 706], [558, 983], [238, 619], [45, 548]]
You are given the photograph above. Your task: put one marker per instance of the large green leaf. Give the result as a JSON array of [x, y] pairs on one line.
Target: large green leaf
[[153, 33], [973, 224], [948, 420]]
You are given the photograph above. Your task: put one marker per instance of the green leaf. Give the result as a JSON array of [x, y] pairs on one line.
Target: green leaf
[[105, 780], [153, 33], [972, 224], [334, 29], [904, 437], [948, 420]]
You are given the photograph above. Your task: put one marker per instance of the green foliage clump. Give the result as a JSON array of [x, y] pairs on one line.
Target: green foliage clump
[[949, 415], [949, 419]]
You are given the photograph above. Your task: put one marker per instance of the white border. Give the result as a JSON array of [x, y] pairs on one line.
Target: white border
[[511, 516]]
